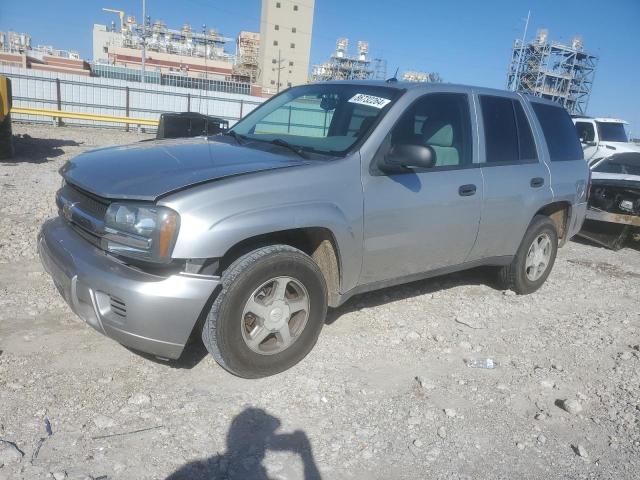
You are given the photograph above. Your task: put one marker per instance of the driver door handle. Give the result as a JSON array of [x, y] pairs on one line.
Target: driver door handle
[[537, 182], [467, 190]]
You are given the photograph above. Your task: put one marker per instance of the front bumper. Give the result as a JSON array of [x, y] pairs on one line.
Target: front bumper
[[146, 312], [602, 216]]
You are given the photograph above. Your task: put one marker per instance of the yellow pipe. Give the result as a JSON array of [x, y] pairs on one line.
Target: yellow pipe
[[84, 116]]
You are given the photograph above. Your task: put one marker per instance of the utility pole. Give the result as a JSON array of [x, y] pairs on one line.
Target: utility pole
[[279, 69], [206, 75], [144, 37], [206, 53], [520, 59]]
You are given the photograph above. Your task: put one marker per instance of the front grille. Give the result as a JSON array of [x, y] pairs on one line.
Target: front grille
[[118, 306], [90, 204]]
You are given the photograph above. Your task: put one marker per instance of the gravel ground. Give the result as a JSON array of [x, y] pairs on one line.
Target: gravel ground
[[384, 394]]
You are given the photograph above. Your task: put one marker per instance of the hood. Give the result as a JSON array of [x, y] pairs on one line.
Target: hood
[[616, 177], [148, 170], [619, 147]]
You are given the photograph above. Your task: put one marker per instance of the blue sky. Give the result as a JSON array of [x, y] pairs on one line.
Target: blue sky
[[465, 41]]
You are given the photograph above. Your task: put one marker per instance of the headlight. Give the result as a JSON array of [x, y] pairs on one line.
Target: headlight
[[140, 231]]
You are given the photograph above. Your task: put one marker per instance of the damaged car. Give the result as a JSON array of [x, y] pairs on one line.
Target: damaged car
[[613, 215]]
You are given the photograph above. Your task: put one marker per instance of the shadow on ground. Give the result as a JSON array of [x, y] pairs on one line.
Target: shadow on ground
[[609, 242], [251, 435], [38, 150], [195, 351], [476, 276]]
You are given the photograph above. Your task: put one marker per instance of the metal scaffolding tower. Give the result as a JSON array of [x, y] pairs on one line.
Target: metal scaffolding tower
[[342, 66], [379, 69], [552, 70]]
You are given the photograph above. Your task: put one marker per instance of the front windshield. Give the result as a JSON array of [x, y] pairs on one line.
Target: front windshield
[[325, 118], [612, 132], [624, 163]]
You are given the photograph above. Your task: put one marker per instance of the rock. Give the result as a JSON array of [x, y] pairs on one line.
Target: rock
[[139, 399], [433, 454], [626, 356], [547, 383], [102, 421], [569, 405], [425, 383], [557, 366], [580, 450], [509, 293], [59, 475], [9, 453], [542, 439], [442, 432], [450, 412], [520, 445], [418, 443], [412, 336]]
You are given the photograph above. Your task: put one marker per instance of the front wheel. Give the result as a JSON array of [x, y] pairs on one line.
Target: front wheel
[[534, 259], [269, 313]]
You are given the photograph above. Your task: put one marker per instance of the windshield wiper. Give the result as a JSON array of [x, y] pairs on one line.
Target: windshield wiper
[[283, 143], [239, 138]]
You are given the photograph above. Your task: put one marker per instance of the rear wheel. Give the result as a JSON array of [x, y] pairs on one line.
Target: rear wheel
[[534, 259], [269, 313]]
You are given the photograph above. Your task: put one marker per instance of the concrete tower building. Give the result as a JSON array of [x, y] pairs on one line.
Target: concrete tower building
[[285, 43]]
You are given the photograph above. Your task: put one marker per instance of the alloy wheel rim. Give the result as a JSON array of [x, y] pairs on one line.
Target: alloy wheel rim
[[538, 257], [275, 315]]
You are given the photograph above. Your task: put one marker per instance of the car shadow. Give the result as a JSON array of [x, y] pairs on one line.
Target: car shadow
[[37, 150], [252, 433], [195, 351]]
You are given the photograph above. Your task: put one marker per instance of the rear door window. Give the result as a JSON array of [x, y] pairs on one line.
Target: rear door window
[[559, 132], [526, 145], [500, 130]]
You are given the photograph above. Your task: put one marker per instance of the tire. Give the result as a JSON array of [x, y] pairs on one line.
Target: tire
[[515, 275], [225, 331]]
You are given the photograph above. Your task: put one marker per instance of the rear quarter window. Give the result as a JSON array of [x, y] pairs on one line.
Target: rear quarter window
[[559, 132]]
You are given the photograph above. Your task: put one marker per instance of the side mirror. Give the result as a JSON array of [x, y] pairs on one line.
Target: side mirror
[[411, 156]]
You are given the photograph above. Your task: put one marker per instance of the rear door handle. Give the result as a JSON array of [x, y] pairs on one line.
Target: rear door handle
[[467, 190], [537, 182]]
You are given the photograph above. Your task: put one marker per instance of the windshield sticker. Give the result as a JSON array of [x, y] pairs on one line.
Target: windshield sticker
[[369, 100]]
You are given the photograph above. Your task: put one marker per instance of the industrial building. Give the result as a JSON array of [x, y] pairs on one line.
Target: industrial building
[[16, 50], [422, 77], [556, 71], [285, 43], [167, 50], [343, 66]]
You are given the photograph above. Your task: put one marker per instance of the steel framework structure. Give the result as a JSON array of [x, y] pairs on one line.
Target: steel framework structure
[[342, 66], [552, 70]]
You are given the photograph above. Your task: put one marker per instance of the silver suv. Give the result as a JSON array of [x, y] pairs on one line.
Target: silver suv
[[323, 192]]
